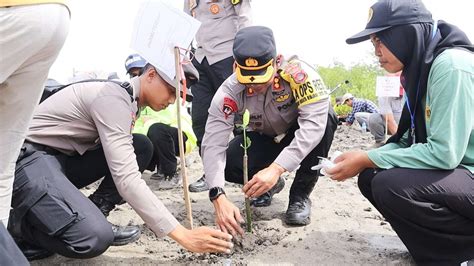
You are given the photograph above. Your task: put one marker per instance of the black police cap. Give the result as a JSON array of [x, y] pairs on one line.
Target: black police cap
[[254, 51]]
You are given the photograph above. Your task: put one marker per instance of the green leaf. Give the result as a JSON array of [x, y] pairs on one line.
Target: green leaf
[[246, 118], [249, 142]]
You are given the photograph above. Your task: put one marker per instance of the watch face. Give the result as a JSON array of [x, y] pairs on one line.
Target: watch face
[[213, 192]]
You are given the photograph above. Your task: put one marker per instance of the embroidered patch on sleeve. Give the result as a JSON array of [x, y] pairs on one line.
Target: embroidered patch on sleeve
[[306, 88], [229, 107]]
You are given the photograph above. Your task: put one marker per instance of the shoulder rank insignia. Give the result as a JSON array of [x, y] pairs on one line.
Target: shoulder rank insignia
[[276, 84]]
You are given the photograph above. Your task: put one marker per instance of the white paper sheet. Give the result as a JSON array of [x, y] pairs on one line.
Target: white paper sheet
[[158, 28], [387, 86]]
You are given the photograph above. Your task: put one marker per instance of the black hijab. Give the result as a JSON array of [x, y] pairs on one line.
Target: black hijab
[[416, 46]]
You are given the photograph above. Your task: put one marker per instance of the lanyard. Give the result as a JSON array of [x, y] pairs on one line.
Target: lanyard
[[412, 113]]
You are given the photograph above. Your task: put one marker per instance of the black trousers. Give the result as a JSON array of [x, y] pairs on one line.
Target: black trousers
[[166, 147], [264, 150], [10, 254], [432, 211], [50, 211], [210, 79]]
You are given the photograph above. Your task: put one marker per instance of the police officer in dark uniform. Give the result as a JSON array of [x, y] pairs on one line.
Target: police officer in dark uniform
[[291, 124]]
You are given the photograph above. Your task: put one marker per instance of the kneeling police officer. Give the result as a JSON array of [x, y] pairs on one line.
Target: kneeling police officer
[[78, 135], [291, 124]]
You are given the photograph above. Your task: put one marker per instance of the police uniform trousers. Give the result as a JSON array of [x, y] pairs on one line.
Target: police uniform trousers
[[432, 211], [10, 254], [166, 148], [210, 79], [49, 210], [264, 150]]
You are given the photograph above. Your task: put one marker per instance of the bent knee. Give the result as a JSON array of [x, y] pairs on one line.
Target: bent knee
[[387, 187], [93, 240]]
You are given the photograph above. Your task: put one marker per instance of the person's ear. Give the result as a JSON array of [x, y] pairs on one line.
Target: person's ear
[[234, 66], [150, 74]]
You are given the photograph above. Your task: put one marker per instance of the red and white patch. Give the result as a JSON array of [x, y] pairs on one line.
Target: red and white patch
[[229, 107]]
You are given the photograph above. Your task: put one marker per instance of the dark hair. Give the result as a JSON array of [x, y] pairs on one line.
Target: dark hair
[[146, 67]]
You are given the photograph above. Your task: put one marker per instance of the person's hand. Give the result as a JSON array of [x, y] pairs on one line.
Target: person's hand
[[228, 217], [202, 239], [263, 181], [349, 164]]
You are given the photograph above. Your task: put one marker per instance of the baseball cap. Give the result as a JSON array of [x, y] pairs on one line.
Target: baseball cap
[[385, 14], [346, 97], [134, 61], [254, 52]]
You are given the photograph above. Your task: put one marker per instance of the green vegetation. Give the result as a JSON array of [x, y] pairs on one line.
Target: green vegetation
[[362, 79], [342, 109]]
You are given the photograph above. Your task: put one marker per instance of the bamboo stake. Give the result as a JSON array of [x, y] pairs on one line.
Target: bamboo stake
[[187, 201]]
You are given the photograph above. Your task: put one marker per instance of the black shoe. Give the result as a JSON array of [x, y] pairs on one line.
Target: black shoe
[[266, 198], [125, 234], [33, 252], [104, 205], [299, 212], [199, 186]]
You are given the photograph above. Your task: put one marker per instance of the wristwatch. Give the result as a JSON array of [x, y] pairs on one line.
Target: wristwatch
[[215, 192]]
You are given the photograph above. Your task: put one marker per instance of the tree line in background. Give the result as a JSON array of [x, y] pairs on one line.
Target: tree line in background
[[361, 77]]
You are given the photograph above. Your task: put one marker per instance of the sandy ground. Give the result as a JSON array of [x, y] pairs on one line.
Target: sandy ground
[[345, 228]]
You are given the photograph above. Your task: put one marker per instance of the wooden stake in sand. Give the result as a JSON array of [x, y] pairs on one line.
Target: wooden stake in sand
[[177, 61]]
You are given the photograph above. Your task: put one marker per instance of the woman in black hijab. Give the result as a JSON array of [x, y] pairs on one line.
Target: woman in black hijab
[[422, 181]]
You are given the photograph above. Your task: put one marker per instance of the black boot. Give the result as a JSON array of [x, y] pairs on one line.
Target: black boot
[[122, 234], [299, 206], [125, 234], [199, 186], [298, 212], [266, 198], [104, 205]]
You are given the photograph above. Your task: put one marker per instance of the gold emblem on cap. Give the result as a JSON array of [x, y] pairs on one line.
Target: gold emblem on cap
[[251, 62], [371, 14]]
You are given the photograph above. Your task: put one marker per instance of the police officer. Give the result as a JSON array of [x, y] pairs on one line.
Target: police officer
[[76, 137], [291, 124], [161, 128], [134, 65], [220, 20]]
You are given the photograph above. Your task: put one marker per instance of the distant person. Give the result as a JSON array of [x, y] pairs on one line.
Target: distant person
[[77, 136], [32, 34], [220, 21], [422, 181], [161, 128], [361, 109], [390, 109]]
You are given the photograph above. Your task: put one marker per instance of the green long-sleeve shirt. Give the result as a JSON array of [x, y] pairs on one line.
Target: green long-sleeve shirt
[[449, 109]]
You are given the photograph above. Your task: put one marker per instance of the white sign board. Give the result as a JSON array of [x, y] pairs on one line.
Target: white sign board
[[158, 29], [387, 86]]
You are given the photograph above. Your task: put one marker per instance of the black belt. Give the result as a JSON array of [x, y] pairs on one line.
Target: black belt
[[29, 148]]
